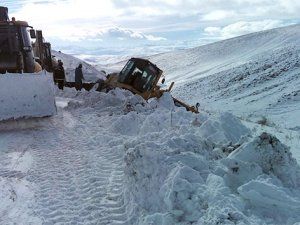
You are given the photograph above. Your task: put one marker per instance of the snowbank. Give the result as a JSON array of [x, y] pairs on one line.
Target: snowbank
[[184, 168], [189, 179]]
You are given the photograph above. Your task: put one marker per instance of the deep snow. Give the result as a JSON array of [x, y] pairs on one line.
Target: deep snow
[[113, 158]]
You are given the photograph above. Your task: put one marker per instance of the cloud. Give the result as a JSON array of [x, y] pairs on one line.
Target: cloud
[[99, 35], [125, 34], [218, 15], [64, 11], [152, 20], [140, 12], [77, 19], [242, 27]]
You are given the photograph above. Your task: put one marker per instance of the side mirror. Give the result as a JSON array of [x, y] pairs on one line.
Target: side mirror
[[163, 80], [32, 33]]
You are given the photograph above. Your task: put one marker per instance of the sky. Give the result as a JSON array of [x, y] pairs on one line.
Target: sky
[[83, 24]]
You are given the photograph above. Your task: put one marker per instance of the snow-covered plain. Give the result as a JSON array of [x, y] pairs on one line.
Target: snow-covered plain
[[113, 158]]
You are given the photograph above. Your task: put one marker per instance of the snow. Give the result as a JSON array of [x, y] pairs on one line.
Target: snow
[[114, 158]]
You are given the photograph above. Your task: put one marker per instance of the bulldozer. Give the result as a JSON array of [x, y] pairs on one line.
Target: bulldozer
[[141, 77], [42, 51], [27, 89]]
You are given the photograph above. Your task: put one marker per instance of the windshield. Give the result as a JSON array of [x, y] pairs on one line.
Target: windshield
[[9, 39], [125, 71], [26, 38], [145, 81], [150, 78]]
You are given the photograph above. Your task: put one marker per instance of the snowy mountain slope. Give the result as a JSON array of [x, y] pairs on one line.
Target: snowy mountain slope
[[187, 65], [267, 86]]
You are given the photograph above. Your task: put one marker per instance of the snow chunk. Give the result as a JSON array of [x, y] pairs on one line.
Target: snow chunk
[[226, 128], [262, 192], [272, 156]]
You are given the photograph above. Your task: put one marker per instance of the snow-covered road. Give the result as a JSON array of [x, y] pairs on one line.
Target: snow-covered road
[[70, 168]]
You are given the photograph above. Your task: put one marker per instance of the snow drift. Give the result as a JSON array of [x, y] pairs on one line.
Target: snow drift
[[183, 168], [209, 172]]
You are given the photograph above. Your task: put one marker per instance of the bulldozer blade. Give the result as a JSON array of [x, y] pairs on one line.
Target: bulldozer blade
[[86, 86], [26, 95]]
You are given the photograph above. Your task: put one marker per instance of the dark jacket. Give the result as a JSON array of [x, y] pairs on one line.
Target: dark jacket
[[59, 73], [78, 75]]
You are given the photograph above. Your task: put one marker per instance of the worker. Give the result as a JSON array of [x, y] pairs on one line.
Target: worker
[[59, 75], [78, 77]]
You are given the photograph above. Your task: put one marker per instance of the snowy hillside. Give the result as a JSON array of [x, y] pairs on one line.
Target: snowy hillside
[[255, 77], [187, 65], [256, 74], [113, 158]]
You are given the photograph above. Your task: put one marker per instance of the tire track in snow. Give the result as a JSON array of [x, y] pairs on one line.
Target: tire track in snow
[[78, 174]]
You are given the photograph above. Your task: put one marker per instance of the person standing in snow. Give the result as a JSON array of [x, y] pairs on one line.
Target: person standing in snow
[[78, 77], [59, 75]]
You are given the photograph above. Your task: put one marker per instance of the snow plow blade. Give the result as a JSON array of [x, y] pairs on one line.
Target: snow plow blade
[[194, 109], [86, 86], [26, 95]]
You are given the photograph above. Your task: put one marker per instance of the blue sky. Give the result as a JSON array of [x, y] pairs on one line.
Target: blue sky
[[90, 23]]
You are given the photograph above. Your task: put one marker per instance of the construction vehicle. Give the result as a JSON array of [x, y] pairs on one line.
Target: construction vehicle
[[26, 90], [141, 77], [42, 51]]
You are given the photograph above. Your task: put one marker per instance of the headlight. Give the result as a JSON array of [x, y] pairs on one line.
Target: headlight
[[27, 48]]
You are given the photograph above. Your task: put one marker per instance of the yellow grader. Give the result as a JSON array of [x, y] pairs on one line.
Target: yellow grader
[[141, 77]]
